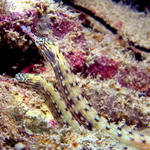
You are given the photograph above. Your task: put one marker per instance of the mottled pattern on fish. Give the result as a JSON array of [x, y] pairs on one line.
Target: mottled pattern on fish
[[75, 108]]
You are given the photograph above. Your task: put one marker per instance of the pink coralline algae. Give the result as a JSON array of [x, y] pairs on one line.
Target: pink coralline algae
[[28, 17], [103, 66], [53, 123], [119, 25], [15, 17], [34, 68], [80, 40], [64, 25], [61, 28], [135, 78], [76, 60]]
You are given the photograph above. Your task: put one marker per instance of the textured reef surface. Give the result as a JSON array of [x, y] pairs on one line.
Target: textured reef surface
[[109, 59]]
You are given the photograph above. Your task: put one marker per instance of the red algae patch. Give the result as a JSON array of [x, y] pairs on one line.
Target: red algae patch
[[61, 28], [34, 68], [80, 40], [76, 60], [135, 78], [62, 25], [103, 66]]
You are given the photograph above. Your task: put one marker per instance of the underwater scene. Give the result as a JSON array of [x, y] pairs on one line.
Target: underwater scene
[[74, 75]]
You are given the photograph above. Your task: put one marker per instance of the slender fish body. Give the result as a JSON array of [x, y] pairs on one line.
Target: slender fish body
[[75, 108], [37, 82]]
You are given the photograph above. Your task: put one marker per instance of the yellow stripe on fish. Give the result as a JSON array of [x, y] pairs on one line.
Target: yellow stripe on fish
[[76, 103], [41, 84]]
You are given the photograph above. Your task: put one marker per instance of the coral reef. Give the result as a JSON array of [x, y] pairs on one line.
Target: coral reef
[[77, 61], [25, 123], [136, 4], [123, 20], [105, 67]]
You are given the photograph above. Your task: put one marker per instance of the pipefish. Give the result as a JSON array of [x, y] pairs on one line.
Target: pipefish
[[74, 107]]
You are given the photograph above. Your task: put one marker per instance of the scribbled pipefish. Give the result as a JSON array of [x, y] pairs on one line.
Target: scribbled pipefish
[[75, 109]]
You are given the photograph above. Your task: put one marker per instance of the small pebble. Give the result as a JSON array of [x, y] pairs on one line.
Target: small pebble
[[19, 146]]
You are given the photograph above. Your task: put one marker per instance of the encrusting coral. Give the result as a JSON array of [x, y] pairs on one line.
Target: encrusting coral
[[122, 19], [113, 82]]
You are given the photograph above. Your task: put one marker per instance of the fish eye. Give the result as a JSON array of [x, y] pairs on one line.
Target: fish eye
[[39, 41]]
